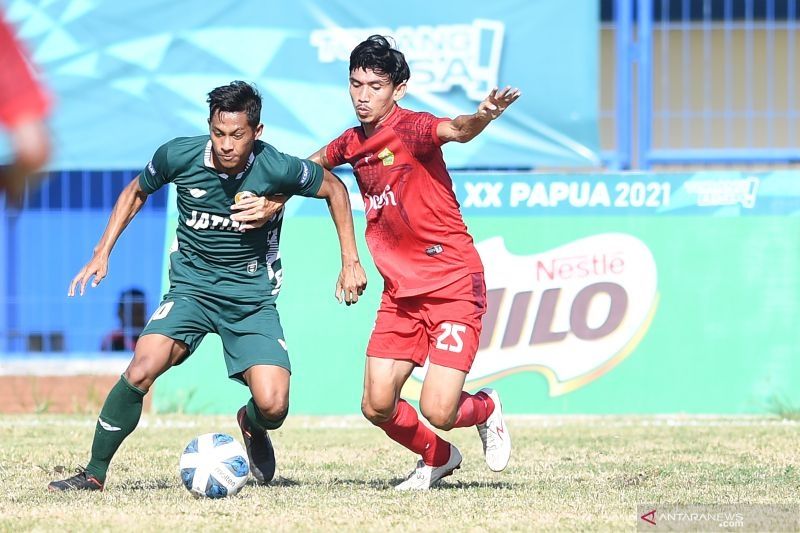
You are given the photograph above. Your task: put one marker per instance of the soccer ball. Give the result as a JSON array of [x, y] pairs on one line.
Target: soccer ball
[[214, 465]]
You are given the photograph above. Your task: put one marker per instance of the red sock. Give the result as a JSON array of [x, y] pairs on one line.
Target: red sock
[[473, 409], [405, 428]]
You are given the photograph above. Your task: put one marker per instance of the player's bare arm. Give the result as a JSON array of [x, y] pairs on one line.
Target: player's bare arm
[[30, 142], [352, 279], [129, 203], [254, 211], [464, 128], [320, 158]]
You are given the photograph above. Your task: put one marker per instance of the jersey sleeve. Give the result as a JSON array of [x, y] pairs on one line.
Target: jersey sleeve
[[419, 135], [335, 150], [300, 177], [21, 94], [157, 172]]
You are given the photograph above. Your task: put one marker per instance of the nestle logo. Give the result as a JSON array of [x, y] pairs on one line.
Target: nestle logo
[[580, 266]]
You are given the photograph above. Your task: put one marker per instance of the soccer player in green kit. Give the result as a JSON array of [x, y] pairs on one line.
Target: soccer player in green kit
[[222, 280]]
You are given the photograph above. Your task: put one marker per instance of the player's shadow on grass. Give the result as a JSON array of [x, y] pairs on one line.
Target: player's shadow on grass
[[378, 484], [277, 482], [151, 484], [383, 484], [494, 485]]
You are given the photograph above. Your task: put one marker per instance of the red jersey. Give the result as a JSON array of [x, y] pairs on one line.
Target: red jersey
[[415, 231], [21, 96]]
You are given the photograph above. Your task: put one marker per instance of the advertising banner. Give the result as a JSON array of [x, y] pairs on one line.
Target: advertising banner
[[607, 293], [129, 76]]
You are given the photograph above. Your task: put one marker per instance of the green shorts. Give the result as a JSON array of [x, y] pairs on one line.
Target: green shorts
[[251, 332]]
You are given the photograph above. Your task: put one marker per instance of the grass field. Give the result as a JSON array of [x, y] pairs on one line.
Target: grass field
[[567, 473]]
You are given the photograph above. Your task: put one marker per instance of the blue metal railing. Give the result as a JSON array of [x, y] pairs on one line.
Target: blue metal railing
[[644, 79], [746, 115], [623, 18], [45, 244]]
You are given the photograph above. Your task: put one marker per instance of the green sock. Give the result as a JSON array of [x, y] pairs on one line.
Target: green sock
[[259, 420], [118, 418]]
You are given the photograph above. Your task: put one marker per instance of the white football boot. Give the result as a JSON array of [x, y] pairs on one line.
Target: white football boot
[[423, 477], [494, 435]]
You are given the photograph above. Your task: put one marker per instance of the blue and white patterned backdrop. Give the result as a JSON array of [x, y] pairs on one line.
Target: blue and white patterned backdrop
[[128, 76]]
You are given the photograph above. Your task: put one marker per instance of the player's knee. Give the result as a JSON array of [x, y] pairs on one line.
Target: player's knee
[[439, 417], [140, 375], [273, 406], [375, 413]]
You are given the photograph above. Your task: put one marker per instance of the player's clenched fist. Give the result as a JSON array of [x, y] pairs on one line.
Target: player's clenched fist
[[254, 211], [351, 283]]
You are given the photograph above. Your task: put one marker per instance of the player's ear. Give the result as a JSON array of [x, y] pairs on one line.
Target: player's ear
[[259, 131], [399, 92]]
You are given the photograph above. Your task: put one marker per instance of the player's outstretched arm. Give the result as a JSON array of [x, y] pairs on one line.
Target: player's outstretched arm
[[464, 128], [352, 279], [130, 201]]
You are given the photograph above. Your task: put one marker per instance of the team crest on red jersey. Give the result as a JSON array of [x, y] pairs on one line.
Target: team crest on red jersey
[[387, 156]]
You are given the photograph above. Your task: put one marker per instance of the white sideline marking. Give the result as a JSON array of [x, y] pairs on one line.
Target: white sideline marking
[[63, 366]]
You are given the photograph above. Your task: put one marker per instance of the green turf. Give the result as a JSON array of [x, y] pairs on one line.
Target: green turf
[[584, 473]]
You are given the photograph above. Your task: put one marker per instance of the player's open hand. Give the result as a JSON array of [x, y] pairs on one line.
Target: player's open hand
[[255, 211], [97, 268], [498, 101], [351, 284]]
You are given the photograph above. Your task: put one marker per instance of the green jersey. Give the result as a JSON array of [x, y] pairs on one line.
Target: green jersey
[[211, 255]]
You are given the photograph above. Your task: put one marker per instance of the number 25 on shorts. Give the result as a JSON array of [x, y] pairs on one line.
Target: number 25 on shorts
[[450, 338]]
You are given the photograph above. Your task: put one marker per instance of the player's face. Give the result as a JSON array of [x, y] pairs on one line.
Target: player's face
[[232, 139], [373, 95]]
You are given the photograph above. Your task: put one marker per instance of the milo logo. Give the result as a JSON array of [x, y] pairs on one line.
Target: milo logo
[[571, 313]]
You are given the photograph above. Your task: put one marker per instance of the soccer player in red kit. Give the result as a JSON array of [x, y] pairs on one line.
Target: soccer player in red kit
[[24, 105], [434, 292]]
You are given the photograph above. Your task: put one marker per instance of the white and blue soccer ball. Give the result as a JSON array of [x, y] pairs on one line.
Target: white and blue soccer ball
[[214, 465]]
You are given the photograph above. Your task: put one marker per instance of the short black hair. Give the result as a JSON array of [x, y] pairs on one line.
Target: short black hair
[[236, 97], [130, 296], [376, 54]]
